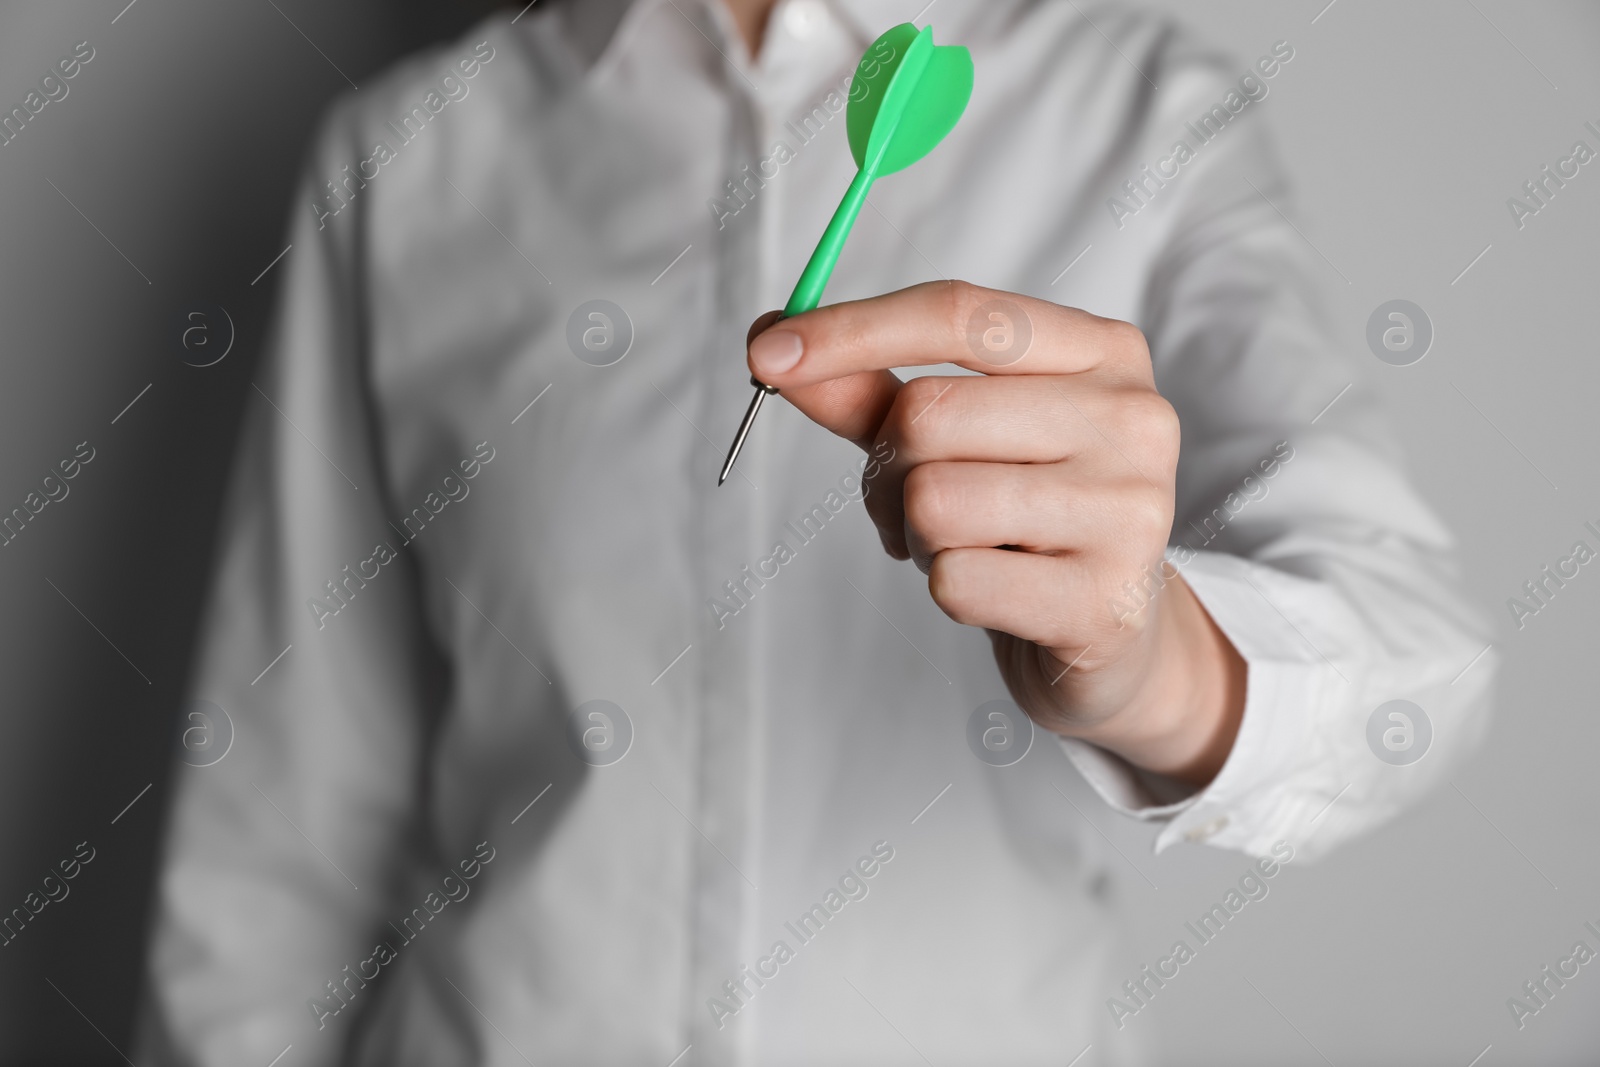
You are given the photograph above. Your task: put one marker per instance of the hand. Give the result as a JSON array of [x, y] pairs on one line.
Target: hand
[[1029, 494]]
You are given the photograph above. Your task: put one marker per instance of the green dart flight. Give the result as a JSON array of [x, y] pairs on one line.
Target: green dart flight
[[897, 114]]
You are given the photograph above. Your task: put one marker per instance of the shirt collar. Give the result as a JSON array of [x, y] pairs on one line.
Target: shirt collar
[[869, 18], [600, 28], [597, 28]]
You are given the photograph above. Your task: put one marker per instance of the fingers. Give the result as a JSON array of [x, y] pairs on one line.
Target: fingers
[[1053, 601], [1034, 419], [1106, 435], [853, 407], [1045, 508], [941, 322]]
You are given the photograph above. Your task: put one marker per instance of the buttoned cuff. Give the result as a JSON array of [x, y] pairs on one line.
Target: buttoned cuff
[[1267, 615]]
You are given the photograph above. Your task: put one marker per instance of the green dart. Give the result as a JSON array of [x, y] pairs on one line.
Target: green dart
[[907, 94]]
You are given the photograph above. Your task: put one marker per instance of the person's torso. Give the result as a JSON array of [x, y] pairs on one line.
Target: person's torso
[[685, 716]]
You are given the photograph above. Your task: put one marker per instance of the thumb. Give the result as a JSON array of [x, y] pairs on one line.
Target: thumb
[[852, 406]]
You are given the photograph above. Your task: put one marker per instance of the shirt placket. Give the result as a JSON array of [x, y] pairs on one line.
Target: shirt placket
[[728, 769], [736, 672]]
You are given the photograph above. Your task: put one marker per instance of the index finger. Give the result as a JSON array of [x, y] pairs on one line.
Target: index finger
[[985, 330]]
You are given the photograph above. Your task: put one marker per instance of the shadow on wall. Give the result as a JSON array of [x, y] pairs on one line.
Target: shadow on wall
[[148, 186]]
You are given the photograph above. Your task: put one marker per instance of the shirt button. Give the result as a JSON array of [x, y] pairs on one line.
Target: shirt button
[[802, 18], [1208, 829]]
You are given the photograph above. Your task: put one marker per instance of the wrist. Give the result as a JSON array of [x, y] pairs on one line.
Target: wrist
[[1183, 718]]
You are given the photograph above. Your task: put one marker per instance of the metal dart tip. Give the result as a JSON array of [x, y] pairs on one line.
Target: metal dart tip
[[762, 390]]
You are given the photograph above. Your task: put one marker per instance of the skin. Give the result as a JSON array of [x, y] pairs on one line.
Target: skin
[[1028, 494], [751, 18]]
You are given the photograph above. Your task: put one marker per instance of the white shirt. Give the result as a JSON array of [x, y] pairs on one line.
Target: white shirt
[[535, 559]]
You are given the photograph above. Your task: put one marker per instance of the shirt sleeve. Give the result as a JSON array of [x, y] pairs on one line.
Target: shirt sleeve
[[1296, 529], [282, 856]]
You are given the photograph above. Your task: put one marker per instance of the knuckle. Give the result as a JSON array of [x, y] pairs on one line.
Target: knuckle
[[928, 498], [1152, 426], [912, 415], [917, 393], [1125, 350], [949, 584], [1129, 340], [1150, 516], [1137, 526], [1163, 430], [961, 300]]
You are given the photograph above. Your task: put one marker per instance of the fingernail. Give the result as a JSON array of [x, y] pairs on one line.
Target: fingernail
[[775, 351]]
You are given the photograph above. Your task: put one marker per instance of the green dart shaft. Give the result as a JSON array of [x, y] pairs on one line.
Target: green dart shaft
[[907, 94], [808, 291], [807, 295]]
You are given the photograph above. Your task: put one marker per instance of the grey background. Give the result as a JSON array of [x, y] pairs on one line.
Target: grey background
[[1406, 127]]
